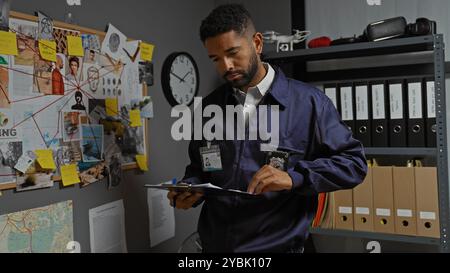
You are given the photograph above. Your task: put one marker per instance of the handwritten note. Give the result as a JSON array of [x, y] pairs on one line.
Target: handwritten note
[[75, 46], [45, 159], [8, 43], [47, 49], [147, 51], [69, 175]]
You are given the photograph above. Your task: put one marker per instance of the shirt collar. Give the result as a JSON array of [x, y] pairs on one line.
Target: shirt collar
[[264, 85]]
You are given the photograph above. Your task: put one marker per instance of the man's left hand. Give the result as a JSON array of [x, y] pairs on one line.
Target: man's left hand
[[269, 179]]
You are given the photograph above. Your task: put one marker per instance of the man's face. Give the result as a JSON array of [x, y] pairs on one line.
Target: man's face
[[235, 57], [59, 62]]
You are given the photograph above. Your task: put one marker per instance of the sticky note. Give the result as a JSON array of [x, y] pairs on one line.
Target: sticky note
[[47, 49], [45, 159], [135, 118], [111, 107], [75, 46], [142, 162], [69, 175], [147, 51], [8, 43]]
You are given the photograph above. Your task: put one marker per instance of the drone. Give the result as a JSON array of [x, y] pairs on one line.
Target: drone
[[285, 42]]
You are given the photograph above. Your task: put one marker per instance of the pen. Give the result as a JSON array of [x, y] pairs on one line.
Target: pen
[[174, 182]]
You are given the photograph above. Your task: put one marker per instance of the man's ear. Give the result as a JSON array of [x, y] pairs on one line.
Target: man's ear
[[258, 42]]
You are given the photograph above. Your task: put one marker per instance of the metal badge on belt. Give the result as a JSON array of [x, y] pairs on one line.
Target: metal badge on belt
[[278, 160]]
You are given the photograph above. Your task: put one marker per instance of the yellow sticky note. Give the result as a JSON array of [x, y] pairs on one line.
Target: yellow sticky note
[[142, 162], [8, 43], [45, 159], [111, 107], [135, 118], [75, 46], [47, 49], [69, 175], [147, 51]]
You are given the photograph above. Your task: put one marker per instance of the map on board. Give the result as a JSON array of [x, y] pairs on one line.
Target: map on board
[[39, 230]]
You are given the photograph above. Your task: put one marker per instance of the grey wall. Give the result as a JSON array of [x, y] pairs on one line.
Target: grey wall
[[172, 26], [344, 18]]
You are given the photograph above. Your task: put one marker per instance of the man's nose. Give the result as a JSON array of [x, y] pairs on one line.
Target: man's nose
[[228, 63]]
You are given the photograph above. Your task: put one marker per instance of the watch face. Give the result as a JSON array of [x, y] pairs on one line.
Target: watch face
[[183, 79]]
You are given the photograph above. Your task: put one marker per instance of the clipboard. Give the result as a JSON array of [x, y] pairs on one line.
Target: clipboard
[[206, 188]]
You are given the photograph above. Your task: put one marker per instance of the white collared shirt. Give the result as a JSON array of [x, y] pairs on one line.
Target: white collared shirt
[[254, 94]]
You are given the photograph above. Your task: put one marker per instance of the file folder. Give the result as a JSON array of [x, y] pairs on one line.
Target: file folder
[[427, 201], [416, 121], [383, 200], [363, 204], [380, 129], [405, 201], [347, 109], [397, 123], [430, 121], [343, 205], [363, 113], [331, 91]]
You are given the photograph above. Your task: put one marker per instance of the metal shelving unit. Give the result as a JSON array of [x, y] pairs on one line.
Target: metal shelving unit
[[407, 57], [377, 236]]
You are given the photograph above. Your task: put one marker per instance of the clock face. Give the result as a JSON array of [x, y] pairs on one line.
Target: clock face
[[180, 79]]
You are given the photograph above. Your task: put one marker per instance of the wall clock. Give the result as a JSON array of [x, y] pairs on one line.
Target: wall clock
[[180, 79]]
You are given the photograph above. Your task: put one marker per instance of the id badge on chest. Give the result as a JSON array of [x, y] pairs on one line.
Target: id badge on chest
[[211, 160]]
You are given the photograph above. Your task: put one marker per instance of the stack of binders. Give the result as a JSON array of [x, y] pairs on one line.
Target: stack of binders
[[391, 113]]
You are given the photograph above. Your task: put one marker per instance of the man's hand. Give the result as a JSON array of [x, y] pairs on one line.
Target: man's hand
[[269, 179], [183, 200]]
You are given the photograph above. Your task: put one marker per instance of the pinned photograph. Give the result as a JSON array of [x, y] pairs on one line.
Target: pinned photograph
[[34, 181], [115, 171], [43, 76], [10, 152], [5, 6], [79, 105], [145, 106], [91, 173], [114, 43], [73, 72], [146, 73], [60, 36], [71, 126], [92, 47], [45, 31], [57, 75], [4, 88], [92, 143]]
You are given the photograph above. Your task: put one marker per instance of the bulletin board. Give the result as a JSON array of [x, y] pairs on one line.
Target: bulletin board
[[97, 131]]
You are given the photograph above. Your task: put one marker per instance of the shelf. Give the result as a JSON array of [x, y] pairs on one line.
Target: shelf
[[401, 151], [376, 236], [402, 45]]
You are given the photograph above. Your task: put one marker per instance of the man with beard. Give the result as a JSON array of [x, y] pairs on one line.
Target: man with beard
[[315, 153]]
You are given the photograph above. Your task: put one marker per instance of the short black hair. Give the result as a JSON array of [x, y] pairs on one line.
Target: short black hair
[[225, 18], [74, 59]]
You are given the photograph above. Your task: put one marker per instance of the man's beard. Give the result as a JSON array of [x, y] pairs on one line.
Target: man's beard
[[246, 75]]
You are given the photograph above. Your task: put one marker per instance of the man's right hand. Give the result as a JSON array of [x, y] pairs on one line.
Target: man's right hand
[[184, 200]]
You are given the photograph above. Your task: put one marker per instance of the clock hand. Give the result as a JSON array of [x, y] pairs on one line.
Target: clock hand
[[186, 75], [181, 80]]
